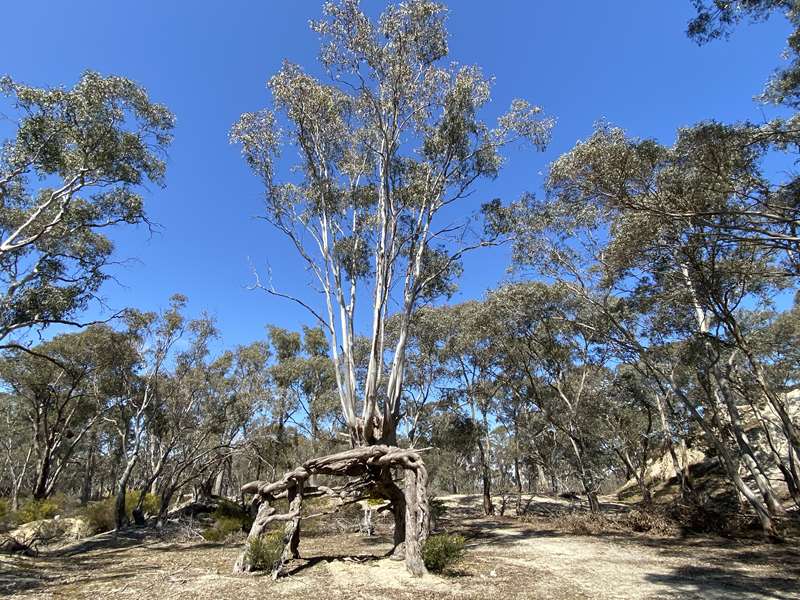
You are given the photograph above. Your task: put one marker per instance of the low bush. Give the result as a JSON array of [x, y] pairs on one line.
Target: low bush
[[223, 528], [584, 523], [230, 519], [264, 552], [442, 551], [36, 510], [722, 516], [151, 505], [99, 516], [5, 509]]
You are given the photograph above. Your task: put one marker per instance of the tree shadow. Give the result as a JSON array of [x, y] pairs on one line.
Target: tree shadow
[[311, 561], [723, 584]]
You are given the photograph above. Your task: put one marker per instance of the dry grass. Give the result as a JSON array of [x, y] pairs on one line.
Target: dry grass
[[505, 558]]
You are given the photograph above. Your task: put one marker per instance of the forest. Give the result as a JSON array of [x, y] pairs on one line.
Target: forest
[[630, 388]]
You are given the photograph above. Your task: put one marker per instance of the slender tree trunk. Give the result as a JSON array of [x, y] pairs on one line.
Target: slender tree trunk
[[88, 474], [626, 460]]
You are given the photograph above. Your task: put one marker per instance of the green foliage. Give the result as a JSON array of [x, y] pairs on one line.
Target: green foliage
[[265, 551], [4, 509], [229, 518], [151, 504], [96, 144], [716, 19], [442, 551], [99, 516], [36, 510], [223, 528]]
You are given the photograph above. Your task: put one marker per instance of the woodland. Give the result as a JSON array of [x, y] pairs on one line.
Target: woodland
[[632, 384]]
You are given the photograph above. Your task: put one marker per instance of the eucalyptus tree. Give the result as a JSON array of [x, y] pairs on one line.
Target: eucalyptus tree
[[471, 366], [71, 171], [671, 287], [154, 337], [186, 382], [304, 385], [426, 369], [17, 450], [391, 139], [239, 382], [62, 388], [386, 142], [552, 340], [717, 18]]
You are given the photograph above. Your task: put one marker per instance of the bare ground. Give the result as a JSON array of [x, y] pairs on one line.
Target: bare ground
[[506, 559]]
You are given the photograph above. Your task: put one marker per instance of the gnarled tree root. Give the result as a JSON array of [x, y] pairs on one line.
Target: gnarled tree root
[[371, 470]]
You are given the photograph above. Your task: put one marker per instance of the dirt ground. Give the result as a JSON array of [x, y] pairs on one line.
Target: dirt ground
[[506, 559]]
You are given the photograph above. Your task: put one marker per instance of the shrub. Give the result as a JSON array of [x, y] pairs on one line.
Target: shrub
[[442, 551], [230, 510], [229, 518], [4, 509], [36, 510], [584, 523], [99, 516], [151, 505], [223, 528], [265, 551]]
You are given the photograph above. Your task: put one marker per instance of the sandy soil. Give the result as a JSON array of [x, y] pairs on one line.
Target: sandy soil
[[506, 559]]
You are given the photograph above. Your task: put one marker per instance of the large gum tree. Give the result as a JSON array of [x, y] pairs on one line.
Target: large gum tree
[[388, 144]]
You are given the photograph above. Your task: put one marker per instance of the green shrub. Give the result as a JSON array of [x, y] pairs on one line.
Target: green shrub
[[231, 510], [36, 510], [4, 509], [99, 516], [222, 528], [151, 505], [442, 551], [265, 551], [229, 518]]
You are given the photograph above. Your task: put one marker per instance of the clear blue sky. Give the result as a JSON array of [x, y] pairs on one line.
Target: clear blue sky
[[627, 61]]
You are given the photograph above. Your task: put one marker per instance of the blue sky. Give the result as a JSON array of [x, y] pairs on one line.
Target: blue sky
[[627, 61]]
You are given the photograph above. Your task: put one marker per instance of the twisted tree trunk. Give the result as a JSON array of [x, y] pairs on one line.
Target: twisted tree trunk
[[372, 467]]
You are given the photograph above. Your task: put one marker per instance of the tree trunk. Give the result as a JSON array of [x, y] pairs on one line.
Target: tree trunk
[[88, 473], [486, 480], [120, 515], [626, 460], [594, 503], [414, 562]]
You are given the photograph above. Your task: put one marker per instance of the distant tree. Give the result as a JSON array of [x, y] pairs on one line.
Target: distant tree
[[154, 337], [62, 388], [548, 337]]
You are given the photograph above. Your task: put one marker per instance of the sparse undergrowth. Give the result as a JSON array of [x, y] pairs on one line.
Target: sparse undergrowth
[[231, 521], [99, 515]]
